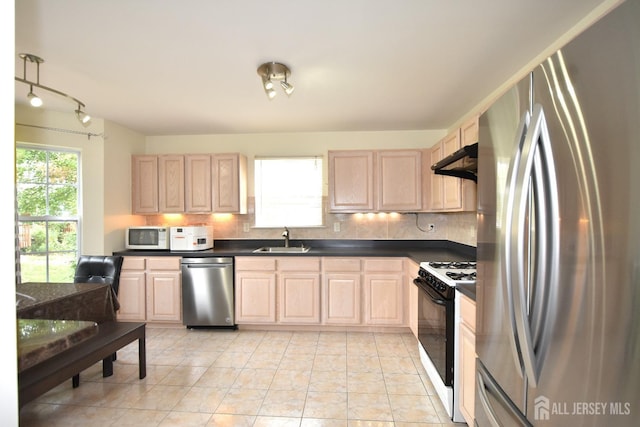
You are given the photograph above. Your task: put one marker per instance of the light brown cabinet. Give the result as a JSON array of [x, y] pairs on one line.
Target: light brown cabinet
[[150, 289], [351, 181], [229, 174], [384, 291], [341, 291], [375, 180], [299, 290], [189, 183], [144, 187], [277, 290], [446, 193], [467, 358], [171, 183], [197, 183], [412, 271], [255, 288]]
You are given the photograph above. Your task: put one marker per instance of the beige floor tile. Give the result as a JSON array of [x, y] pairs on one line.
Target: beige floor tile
[[369, 406], [184, 375], [409, 384], [331, 381], [185, 419], [250, 378], [230, 420], [326, 405], [364, 363], [218, 377], [200, 358], [229, 359], [365, 382], [201, 399], [286, 379], [398, 365], [161, 397], [241, 402], [263, 421], [298, 362], [322, 422], [330, 362], [264, 360], [242, 378], [370, 423], [416, 409], [280, 403]]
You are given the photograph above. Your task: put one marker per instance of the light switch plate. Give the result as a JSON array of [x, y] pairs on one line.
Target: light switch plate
[[245, 227], [336, 227]]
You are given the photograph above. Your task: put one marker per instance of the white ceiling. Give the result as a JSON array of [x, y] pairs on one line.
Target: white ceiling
[[164, 67]]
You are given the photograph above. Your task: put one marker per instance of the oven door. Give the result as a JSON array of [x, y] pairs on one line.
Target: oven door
[[436, 328]]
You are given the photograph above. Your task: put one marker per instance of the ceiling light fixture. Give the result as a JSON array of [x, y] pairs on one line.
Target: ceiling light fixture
[[34, 100], [270, 71]]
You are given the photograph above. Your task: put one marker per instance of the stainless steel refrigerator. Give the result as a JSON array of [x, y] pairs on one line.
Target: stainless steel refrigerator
[[558, 273]]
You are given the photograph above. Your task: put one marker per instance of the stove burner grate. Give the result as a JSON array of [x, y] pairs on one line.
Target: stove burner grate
[[461, 276], [458, 265]]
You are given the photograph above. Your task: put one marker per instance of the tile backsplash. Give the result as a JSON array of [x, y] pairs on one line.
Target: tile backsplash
[[457, 227]]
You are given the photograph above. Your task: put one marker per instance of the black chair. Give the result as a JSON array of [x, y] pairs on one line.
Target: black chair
[[99, 269]]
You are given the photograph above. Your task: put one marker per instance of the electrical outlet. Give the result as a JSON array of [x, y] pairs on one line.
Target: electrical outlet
[[336, 227], [245, 227], [431, 227]]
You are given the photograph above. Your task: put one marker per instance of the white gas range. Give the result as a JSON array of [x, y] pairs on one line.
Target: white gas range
[[437, 318]]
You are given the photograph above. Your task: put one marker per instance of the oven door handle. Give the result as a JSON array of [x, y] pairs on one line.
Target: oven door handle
[[434, 297]]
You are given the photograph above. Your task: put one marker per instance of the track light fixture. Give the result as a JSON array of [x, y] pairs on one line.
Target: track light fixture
[[270, 71], [34, 100]]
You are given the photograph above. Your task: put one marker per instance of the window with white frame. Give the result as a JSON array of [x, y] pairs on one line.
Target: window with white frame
[[47, 191], [288, 192]]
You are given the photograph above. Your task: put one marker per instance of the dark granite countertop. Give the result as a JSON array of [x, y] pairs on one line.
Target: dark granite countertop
[[417, 250]]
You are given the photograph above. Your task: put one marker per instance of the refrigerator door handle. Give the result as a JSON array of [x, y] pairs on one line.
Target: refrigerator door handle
[[485, 386], [509, 256], [537, 174]]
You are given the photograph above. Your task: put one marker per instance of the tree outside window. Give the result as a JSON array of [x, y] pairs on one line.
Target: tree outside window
[[47, 193]]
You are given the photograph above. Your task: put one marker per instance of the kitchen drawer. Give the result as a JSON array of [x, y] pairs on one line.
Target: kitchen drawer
[[468, 312], [255, 263], [341, 264], [383, 265], [299, 264], [163, 263], [133, 263]]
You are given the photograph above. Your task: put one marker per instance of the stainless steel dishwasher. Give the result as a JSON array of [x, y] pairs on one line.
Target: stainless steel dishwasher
[[207, 292]]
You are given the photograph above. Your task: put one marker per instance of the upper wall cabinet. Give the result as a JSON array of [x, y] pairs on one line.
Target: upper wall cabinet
[[446, 193], [191, 183], [197, 189], [375, 180], [351, 181], [144, 186], [229, 173], [171, 183]]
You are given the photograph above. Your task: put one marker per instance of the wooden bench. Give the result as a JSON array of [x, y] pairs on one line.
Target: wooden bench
[[111, 336]]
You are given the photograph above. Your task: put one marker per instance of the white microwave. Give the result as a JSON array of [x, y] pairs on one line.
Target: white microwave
[[147, 237]]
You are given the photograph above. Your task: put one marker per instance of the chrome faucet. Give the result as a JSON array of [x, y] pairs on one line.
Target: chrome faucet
[[285, 234]]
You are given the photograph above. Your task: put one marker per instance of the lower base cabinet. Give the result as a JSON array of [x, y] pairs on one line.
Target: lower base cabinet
[[150, 289], [328, 291], [384, 291], [467, 355]]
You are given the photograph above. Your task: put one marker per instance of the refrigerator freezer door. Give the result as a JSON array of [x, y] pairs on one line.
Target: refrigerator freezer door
[[501, 129]]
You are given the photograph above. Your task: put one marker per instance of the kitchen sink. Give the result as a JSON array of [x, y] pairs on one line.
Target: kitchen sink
[[283, 249]]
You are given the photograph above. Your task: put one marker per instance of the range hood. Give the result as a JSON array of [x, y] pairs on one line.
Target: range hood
[[461, 164]]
